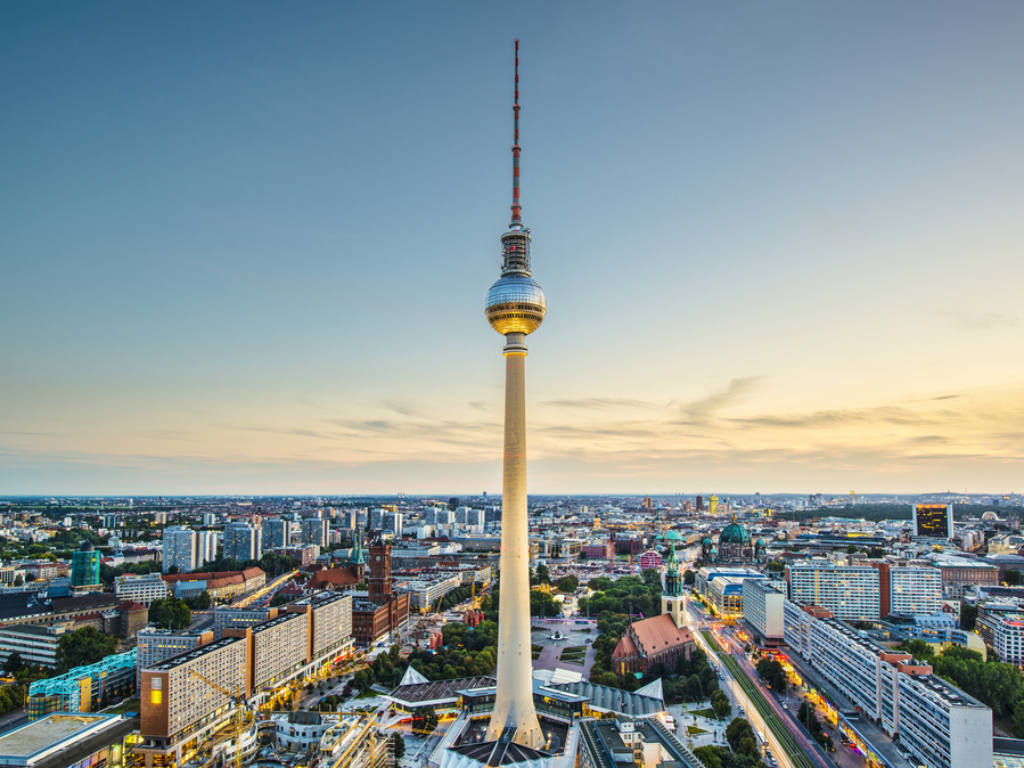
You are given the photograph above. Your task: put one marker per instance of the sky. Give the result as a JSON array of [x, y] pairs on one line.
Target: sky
[[244, 247]]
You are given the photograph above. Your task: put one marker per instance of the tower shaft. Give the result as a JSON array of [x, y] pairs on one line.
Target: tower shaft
[[513, 704]]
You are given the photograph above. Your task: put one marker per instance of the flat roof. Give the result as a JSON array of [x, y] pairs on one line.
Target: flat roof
[[195, 653], [51, 732]]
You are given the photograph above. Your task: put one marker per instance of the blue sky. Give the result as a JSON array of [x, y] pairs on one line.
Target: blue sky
[[245, 246]]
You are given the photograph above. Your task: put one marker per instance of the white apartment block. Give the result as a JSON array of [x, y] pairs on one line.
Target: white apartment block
[[143, 588], [280, 646], [156, 645], [849, 592], [915, 591], [331, 622], [938, 723], [762, 608], [179, 549], [1007, 631], [206, 547], [423, 593]]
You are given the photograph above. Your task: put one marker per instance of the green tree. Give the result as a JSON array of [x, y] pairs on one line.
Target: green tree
[[919, 649], [14, 663], [83, 646], [568, 584], [772, 673], [720, 704], [689, 578], [543, 574], [170, 613], [741, 737], [710, 756], [1013, 577]]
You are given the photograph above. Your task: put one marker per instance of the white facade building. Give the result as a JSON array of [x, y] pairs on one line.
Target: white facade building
[[144, 588], [849, 592], [762, 608], [179, 549], [915, 591], [939, 724]]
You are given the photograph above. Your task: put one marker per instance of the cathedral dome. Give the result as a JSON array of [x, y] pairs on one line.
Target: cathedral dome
[[734, 533]]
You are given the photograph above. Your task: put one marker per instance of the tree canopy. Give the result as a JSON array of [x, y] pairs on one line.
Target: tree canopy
[[83, 646], [170, 613]]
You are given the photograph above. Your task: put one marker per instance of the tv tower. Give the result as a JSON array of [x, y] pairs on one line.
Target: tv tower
[[515, 307]]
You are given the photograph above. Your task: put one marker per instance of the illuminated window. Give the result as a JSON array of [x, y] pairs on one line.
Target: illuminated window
[[155, 697]]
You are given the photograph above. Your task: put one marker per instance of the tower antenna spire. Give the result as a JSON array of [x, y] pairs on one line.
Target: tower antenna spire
[[517, 209]]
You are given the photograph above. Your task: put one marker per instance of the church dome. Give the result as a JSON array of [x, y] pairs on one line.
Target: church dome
[[734, 533], [707, 541], [673, 536]]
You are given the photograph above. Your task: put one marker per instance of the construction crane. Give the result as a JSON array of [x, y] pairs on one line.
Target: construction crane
[[347, 754], [238, 716]]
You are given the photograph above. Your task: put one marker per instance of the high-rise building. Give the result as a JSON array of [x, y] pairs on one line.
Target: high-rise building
[[515, 308], [206, 547], [242, 542], [277, 532], [393, 523], [762, 609], [700, 503], [315, 531], [933, 521], [713, 505], [849, 592], [179, 549], [939, 724], [915, 591], [85, 566]]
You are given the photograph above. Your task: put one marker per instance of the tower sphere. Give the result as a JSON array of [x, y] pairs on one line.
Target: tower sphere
[[515, 304]]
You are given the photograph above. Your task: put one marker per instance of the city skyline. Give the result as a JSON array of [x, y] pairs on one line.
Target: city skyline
[[781, 248]]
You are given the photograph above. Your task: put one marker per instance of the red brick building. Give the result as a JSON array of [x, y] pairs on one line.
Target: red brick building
[[647, 642]]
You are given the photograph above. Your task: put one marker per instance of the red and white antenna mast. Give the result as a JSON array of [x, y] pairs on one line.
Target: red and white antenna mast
[[517, 209]]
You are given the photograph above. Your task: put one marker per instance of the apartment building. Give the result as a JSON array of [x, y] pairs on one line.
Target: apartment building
[[277, 533], [279, 648], [762, 608], [242, 542], [143, 588], [156, 645], [849, 592], [1001, 626], [331, 623], [183, 699], [227, 617], [206, 547], [425, 593], [915, 591], [315, 530], [34, 643], [179, 549], [938, 723]]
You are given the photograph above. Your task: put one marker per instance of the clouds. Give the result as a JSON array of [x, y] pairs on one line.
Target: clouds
[[703, 410], [733, 436]]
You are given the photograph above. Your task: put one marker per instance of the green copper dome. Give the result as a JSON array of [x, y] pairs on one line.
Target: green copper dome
[[734, 533], [673, 536]]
